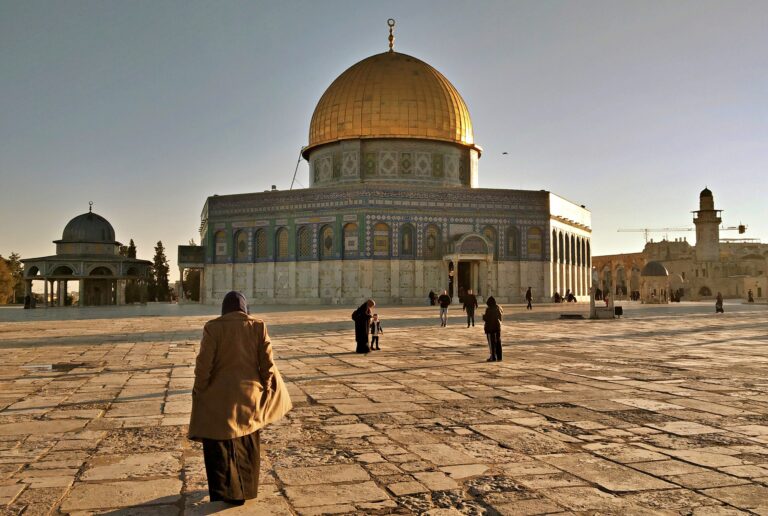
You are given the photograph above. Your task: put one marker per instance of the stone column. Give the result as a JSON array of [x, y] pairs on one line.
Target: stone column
[[81, 293], [394, 278], [181, 284], [64, 297], [45, 290]]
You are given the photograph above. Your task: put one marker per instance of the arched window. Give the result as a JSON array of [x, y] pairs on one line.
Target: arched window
[[567, 255], [260, 244], [326, 243], [432, 242], [220, 246], [241, 246], [560, 254], [304, 242], [489, 232], [589, 255], [513, 242], [281, 243], [351, 246], [381, 239], [534, 244], [554, 246], [407, 241]]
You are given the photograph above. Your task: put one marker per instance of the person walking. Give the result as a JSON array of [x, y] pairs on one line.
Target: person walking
[[719, 304], [528, 299], [375, 332], [444, 301], [470, 303], [492, 327], [432, 297], [237, 391], [362, 317]]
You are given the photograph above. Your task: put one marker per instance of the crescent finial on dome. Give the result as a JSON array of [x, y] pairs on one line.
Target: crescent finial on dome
[[391, 23]]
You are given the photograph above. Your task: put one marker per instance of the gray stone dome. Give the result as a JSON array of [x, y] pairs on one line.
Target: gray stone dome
[[654, 269], [89, 227]]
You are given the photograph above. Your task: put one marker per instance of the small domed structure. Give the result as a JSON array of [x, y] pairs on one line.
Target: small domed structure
[[88, 254], [654, 269], [654, 279], [705, 193], [89, 227]]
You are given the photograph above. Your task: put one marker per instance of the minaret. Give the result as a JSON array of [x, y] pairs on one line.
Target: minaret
[[707, 221]]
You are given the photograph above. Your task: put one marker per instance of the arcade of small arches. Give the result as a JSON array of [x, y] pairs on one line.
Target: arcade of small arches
[[572, 263], [98, 284]]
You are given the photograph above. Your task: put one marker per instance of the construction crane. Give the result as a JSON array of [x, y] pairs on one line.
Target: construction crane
[[741, 228]]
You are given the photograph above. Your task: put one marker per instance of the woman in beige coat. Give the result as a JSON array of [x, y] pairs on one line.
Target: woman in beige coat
[[238, 390]]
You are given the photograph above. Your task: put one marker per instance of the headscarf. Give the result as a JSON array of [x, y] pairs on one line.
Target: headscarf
[[491, 301], [234, 302]]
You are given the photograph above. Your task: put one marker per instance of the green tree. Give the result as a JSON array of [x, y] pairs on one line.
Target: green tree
[[6, 282], [17, 270], [129, 251], [160, 270]]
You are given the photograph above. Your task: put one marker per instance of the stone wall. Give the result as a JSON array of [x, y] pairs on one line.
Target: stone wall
[[353, 281]]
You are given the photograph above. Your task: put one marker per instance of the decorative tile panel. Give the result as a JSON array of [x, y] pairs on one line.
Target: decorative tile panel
[[350, 164], [388, 163]]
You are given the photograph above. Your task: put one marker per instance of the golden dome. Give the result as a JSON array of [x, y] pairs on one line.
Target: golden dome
[[390, 95]]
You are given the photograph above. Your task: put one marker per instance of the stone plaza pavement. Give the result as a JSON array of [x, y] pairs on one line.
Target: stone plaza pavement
[[664, 411]]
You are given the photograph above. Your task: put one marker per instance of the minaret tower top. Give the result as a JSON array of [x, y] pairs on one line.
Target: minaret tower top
[[707, 220]]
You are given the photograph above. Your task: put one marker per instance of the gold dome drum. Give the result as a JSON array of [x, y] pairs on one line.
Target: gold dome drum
[[392, 118]]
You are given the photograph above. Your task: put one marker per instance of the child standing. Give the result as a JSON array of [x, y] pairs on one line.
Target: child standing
[[375, 331]]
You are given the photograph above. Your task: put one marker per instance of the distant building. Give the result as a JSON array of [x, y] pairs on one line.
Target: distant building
[[393, 209], [89, 255], [732, 267]]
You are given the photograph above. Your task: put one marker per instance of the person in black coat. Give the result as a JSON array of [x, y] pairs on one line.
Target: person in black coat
[[470, 303], [362, 317], [492, 317]]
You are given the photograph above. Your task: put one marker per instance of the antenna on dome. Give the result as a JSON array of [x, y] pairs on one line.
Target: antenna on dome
[[90, 206], [391, 23]]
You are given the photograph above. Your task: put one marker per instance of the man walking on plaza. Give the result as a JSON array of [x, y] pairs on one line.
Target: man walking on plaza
[[470, 303], [528, 298], [444, 301]]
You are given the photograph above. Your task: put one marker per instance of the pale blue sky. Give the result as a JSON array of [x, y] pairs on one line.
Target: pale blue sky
[[148, 107]]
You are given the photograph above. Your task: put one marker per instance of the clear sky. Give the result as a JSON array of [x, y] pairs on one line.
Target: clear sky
[[148, 107]]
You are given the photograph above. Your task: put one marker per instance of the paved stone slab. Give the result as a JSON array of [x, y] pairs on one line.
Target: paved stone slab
[[521, 439], [132, 466], [59, 426], [752, 497], [334, 494], [322, 474], [609, 475], [85, 496]]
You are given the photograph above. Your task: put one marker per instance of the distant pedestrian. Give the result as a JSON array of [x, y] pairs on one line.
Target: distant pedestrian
[[432, 297], [470, 303], [375, 332], [719, 304], [362, 317], [492, 327], [444, 300], [528, 299], [237, 391], [750, 296]]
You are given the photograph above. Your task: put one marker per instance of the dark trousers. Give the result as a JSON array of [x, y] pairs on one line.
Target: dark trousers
[[374, 340], [470, 318], [494, 343], [529, 307], [232, 467]]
